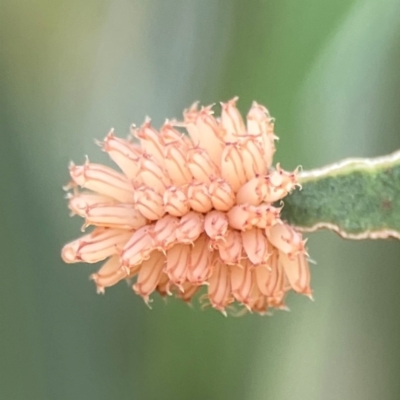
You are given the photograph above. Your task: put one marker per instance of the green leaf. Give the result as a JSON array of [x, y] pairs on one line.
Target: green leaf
[[357, 198]]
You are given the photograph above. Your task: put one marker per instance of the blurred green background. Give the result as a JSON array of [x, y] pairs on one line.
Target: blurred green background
[[69, 70]]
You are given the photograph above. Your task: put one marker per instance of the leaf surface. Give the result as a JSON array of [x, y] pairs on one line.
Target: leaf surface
[[357, 198]]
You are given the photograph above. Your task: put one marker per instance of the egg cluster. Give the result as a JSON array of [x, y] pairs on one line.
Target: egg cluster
[[196, 203]]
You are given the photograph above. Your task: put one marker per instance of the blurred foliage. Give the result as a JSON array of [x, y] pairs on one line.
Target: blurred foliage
[[328, 71]]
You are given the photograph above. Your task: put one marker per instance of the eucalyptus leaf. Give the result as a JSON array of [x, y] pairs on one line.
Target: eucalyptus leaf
[[357, 198]]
